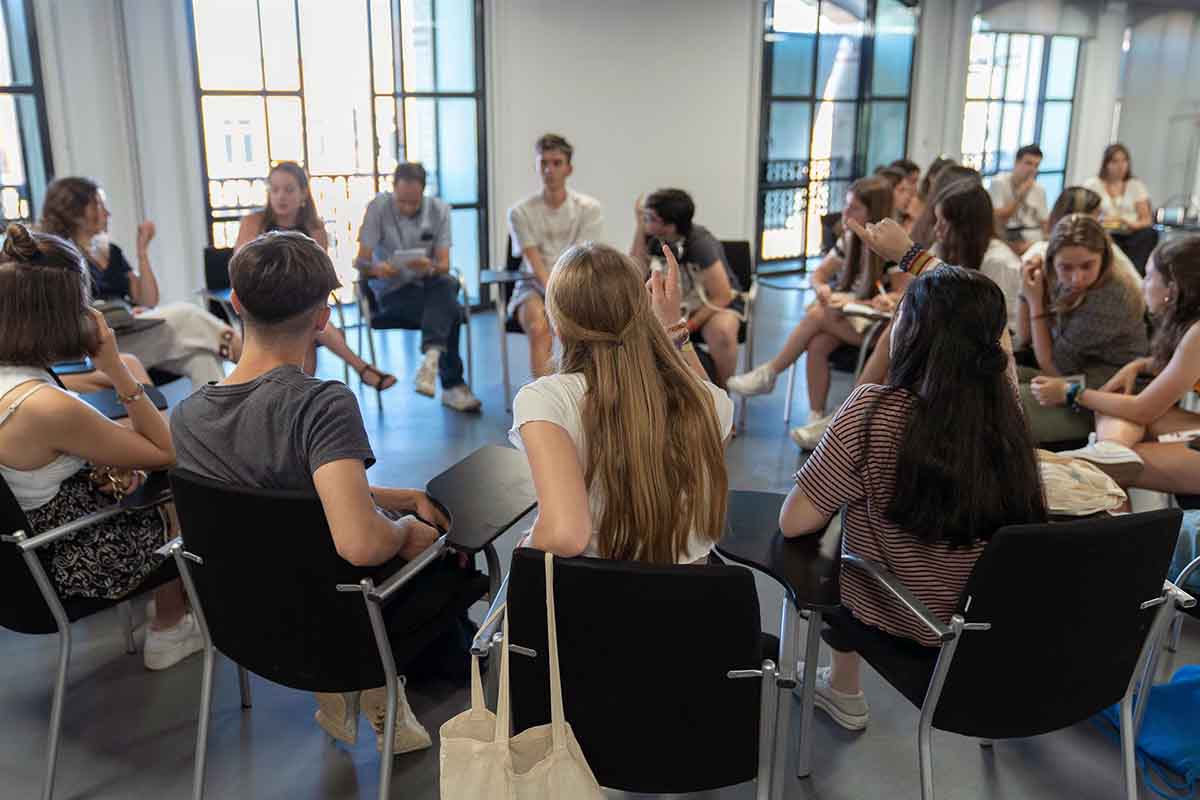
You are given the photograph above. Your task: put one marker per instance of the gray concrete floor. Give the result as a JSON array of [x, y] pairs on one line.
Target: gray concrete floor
[[129, 733]]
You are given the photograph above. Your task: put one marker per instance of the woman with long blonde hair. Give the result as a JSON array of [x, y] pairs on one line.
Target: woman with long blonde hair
[[626, 438]]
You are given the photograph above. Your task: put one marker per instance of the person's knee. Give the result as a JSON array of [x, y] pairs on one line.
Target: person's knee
[[721, 331]]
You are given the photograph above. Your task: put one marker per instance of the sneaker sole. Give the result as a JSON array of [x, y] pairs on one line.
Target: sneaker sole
[[851, 722], [803, 443], [750, 392], [341, 733], [424, 390], [465, 409], [155, 663]]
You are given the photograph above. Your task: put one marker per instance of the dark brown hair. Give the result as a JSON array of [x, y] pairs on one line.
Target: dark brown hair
[[553, 141], [1179, 262], [1075, 230], [44, 300], [281, 275], [922, 230], [893, 175], [907, 166], [308, 218], [1074, 200], [66, 203], [411, 171], [967, 209], [1111, 151], [876, 194], [927, 186]]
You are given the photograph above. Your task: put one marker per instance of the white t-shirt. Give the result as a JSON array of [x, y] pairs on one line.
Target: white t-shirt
[[1030, 214], [1001, 264], [532, 223], [1123, 207], [557, 399]]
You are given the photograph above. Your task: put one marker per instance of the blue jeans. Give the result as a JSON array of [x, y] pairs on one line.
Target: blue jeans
[[430, 305]]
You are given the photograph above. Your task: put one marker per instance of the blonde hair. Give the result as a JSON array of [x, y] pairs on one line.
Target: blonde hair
[[654, 445]]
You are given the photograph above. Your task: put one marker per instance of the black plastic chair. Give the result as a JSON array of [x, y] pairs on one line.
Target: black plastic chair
[[216, 283], [503, 283], [368, 308], [647, 656], [270, 591], [1090, 595], [29, 602]]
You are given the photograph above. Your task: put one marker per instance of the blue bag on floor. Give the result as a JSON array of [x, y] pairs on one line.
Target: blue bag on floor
[[1169, 741]]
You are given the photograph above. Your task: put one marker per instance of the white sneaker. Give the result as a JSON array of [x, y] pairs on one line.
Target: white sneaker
[[808, 436], [848, 710], [760, 380], [426, 380], [1113, 458], [460, 398], [410, 733], [166, 648]]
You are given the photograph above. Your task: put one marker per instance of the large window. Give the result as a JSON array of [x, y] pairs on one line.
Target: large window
[[348, 89], [24, 158], [1020, 90], [836, 78]]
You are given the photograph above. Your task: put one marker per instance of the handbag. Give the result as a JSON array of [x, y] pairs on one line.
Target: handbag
[[479, 760], [1169, 741]]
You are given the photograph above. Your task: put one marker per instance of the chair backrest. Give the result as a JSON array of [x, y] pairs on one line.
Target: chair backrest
[[1064, 602], [22, 607], [643, 652], [216, 276], [268, 585], [741, 262]]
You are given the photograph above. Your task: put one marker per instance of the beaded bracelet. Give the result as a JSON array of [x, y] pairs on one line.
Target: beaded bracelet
[[126, 399], [910, 255]]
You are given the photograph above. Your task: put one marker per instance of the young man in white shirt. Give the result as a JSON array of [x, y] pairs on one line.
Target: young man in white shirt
[[541, 227], [1020, 201]]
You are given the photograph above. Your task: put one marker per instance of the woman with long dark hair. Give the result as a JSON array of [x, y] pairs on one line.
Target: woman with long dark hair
[[290, 207], [928, 467], [191, 340], [849, 274], [1124, 204], [1129, 421], [966, 236]]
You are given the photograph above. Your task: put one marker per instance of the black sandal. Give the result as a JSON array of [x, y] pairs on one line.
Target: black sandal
[[383, 380]]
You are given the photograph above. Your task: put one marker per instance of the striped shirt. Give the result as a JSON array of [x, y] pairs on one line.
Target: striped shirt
[[837, 474]]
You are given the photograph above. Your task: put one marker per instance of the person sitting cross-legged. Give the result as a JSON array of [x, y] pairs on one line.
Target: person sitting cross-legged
[[270, 425]]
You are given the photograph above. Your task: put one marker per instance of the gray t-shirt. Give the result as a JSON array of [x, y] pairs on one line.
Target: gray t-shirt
[[1102, 335], [696, 253], [272, 432], [385, 230], [1026, 222]]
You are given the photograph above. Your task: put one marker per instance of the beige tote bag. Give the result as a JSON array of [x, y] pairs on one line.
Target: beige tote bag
[[480, 761]]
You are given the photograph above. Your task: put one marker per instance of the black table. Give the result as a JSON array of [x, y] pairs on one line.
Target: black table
[[810, 581]]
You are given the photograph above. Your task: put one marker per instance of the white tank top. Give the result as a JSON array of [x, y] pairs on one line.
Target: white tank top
[[33, 488]]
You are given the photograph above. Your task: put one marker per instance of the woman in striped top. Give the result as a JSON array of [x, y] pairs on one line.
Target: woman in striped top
[[928, 466]]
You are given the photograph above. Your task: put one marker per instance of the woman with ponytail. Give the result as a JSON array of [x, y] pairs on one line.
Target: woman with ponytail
[[626, 439], [928, 468]]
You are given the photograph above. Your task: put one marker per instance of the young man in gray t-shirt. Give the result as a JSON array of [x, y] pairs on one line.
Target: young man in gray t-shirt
[[541, 227], [269, 425]]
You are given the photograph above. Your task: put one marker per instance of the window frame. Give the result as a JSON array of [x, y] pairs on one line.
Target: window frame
[[1039, 114], [35, 90], [382, 182], [863, 100]]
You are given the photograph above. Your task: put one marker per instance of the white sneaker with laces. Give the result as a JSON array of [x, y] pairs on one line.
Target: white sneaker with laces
[[426, 380], [167, 647], [848, 710], [460, 398], [808, 436], [760, 380], [1113, 458]]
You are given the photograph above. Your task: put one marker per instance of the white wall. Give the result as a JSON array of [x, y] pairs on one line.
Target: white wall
[[121, 109], [651, 94], [940, 80]]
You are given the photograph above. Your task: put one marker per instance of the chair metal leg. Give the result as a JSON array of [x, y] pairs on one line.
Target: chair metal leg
[[925, 727], [501, 319], [244, 686], [808, 694], [467, 325], [788, 640], [206, 676], [389, 673], [126, 612], [768, 704], [749, 364], [64, 661], [787, 404], [342, 327]]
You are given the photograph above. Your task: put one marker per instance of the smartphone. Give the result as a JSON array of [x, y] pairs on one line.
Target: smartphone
[[1180, 436]]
